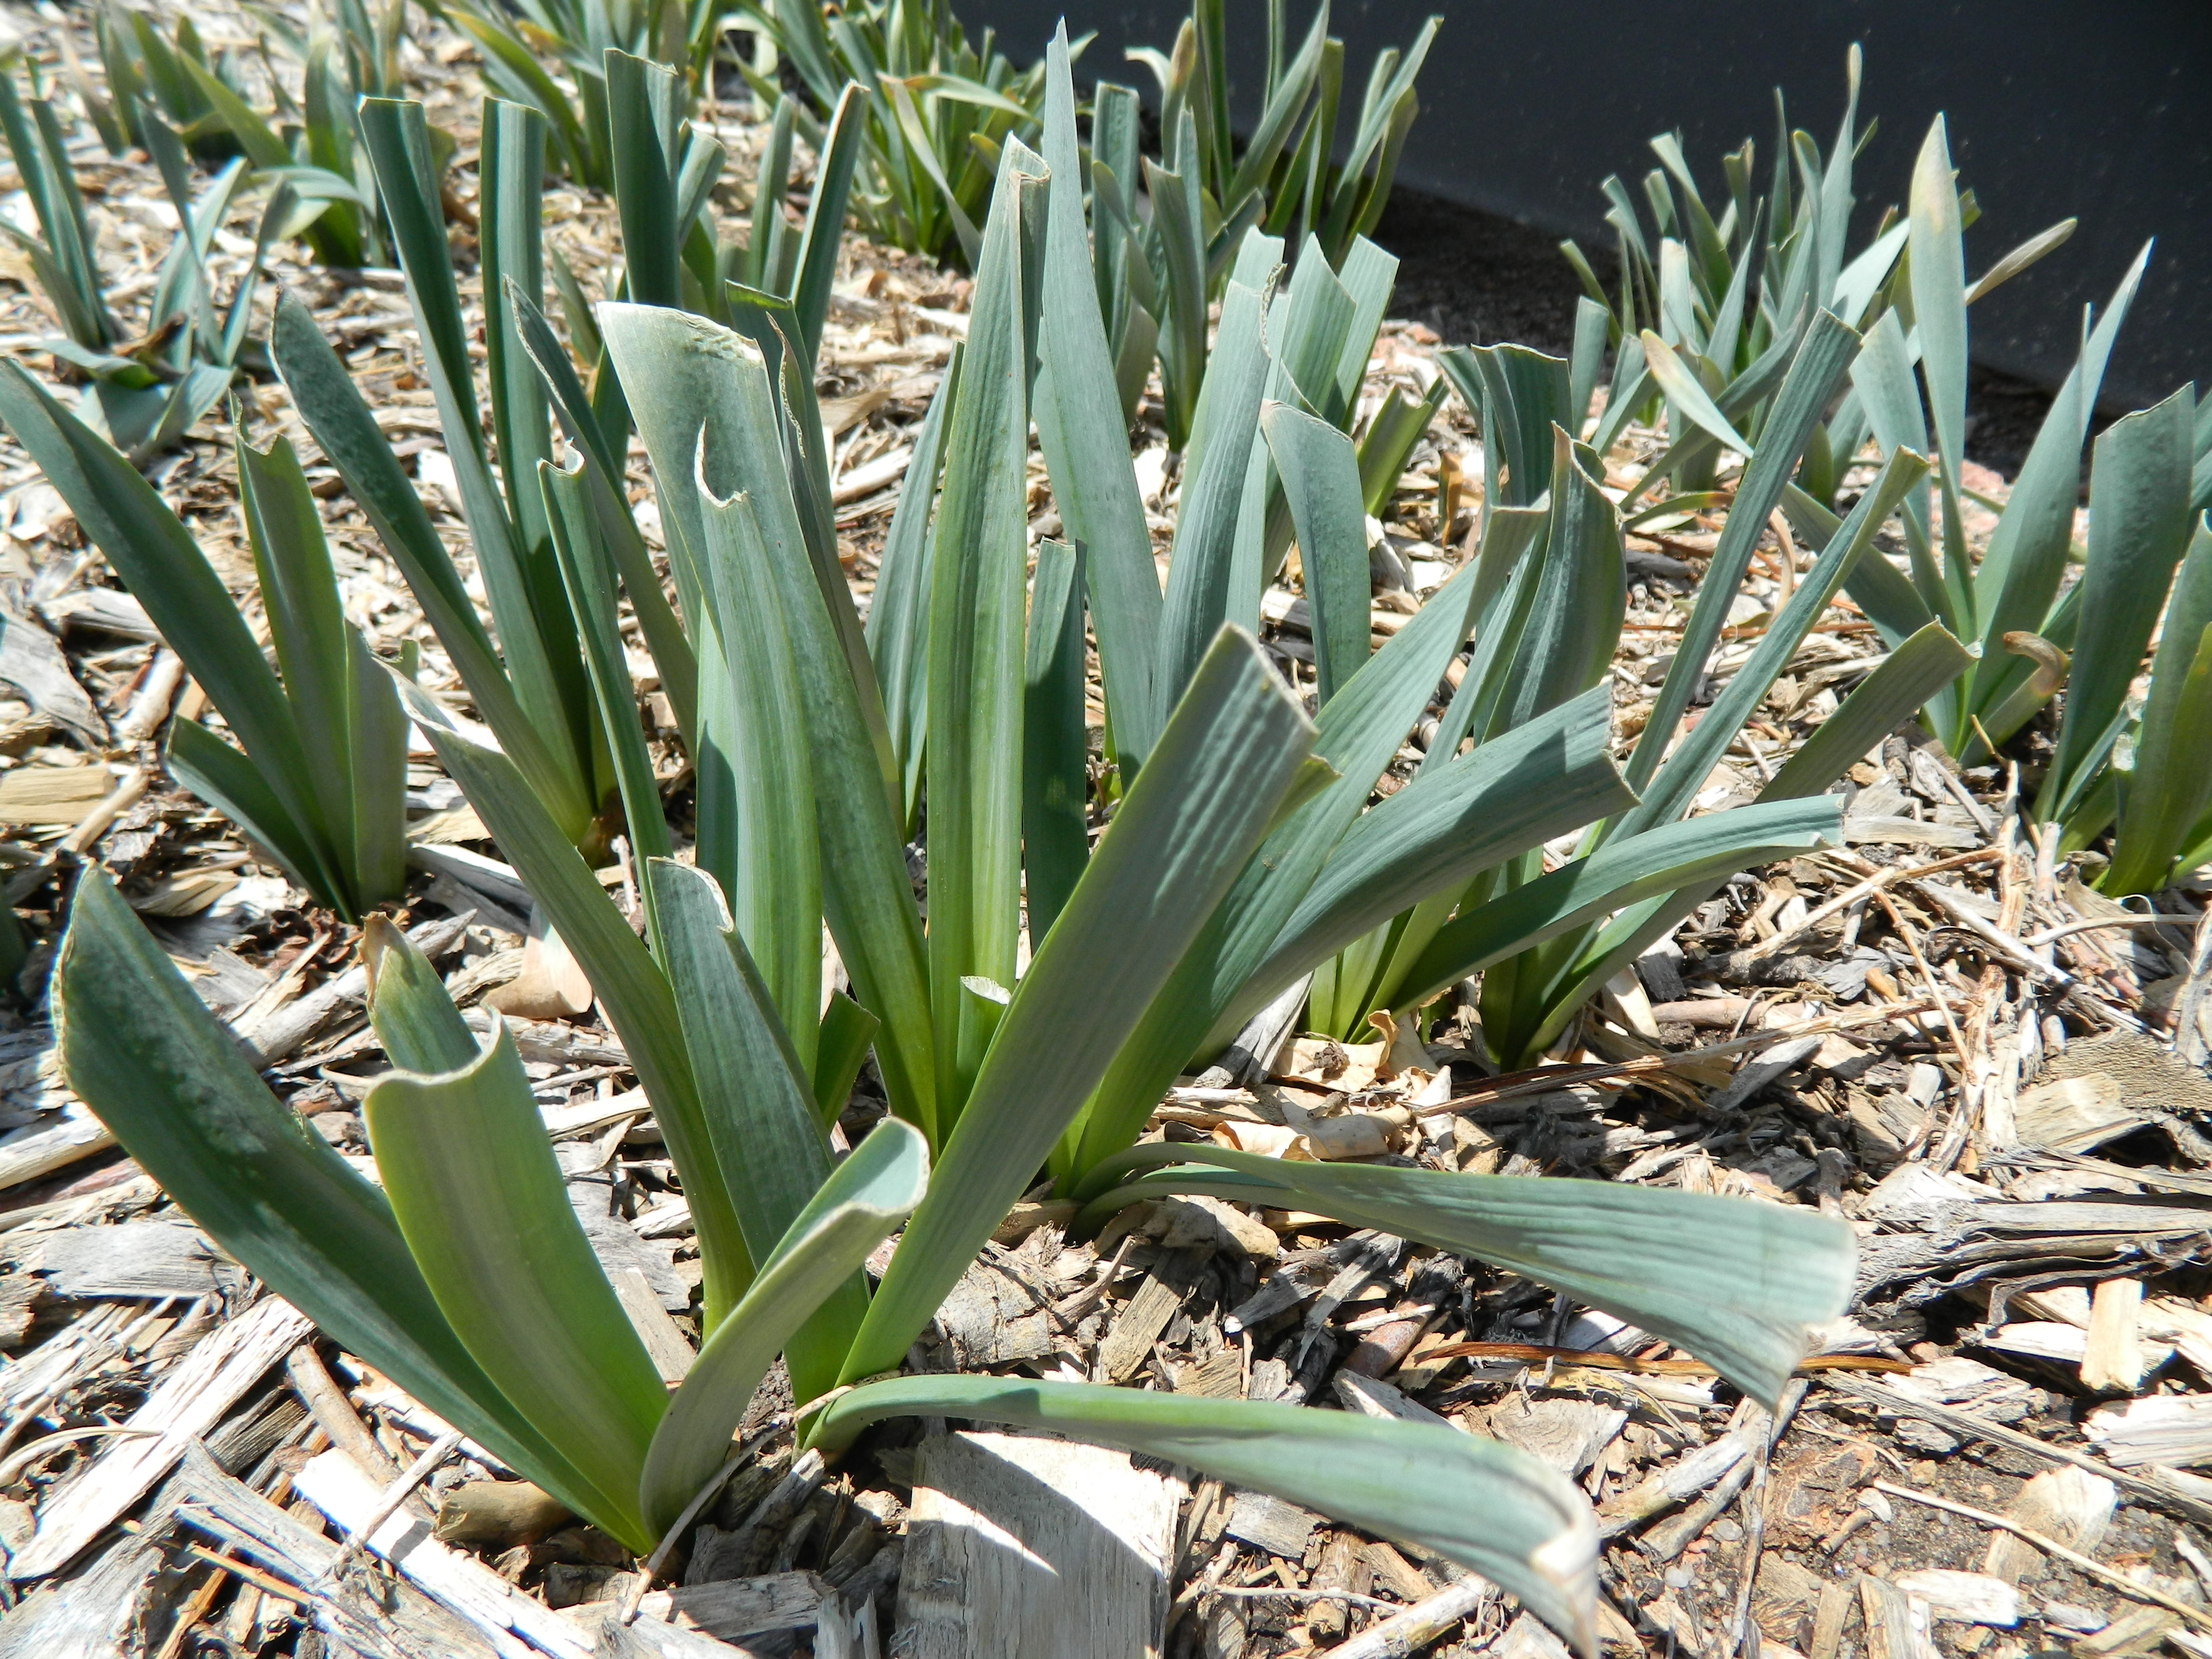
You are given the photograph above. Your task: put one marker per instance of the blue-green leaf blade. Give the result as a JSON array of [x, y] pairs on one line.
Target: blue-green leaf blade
[[476, 1194], [1492, 1508], [1229, 754], [142, 1051], [1734, 1280], [823, 1250]]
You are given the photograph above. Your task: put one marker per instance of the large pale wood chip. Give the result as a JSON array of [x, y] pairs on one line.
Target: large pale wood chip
[[164, 1255], [2171, 1429], [1568, 1434], [37, 1150], [1897, 1622], [1967, 1598], [2112, 1357], [365, 1614], [1021, 1545], [2069, 1504], [1271, 1524], [514, 1623], [31, 660], [189, 1402]]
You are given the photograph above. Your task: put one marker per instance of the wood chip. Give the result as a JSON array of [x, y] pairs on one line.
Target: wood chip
[[195, 1396], [1145, 1314], [1897, 1623], [2071, 1505], [1567, 1434], [1271, 1524], [51, 797], [2112, 1355], [164, 1255], [2073, 1114], [665, 1345], [1967, 1598], [732, 1608], [2169, 1429], [334, 1483], [1021, 1545], [31, 660]]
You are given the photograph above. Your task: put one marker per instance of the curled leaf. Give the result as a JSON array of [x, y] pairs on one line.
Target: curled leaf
[[2052, 665]]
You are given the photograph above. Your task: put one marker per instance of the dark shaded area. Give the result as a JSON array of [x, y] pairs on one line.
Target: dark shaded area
[[1478, 279], [2053, 109]]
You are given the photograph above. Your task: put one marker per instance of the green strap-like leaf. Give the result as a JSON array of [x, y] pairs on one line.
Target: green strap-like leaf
[[764, 246], [898, 611], [1492, 1508], [346, 432], [1085, 442], [590, 581], [2139, 527], [1318, 320], [1287, 101], [1882, 376], [150, 549], [1321, 480], [68, 272], [145, 1053], [300, 596], [234, 786], [262, 146], [1228, 755], [1937, 266], [1734, 1280], [1820, 363], [973, 765], [415, 1020], [1573, 626], [1386, 447], [536, 642], [1685, 854], [1176, 221], [512, 167], [825, 217], [656, 620], [2170, 785], [1357, 734], [841, 1049], [509, 65], [1517, 395], [1686, 770], [1514, 544], [705, 410], [759, 1107], [479, 1199], [644, 109], [751, 773], [1539, 780], [2026, 560], [1198, 566], [636, 996], [1907, 678], [1369, 274], [818, 1256], [376, 749], [1687, 394], [1055, 760], [1197, 1010]]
